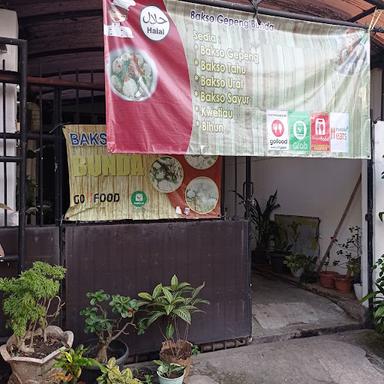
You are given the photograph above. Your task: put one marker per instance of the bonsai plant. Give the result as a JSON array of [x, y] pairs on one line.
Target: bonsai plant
[[108, 317], [71, 362], [170, 373], [261, 224], [111, 374], [351, 251], [169, 306], [31, 302]]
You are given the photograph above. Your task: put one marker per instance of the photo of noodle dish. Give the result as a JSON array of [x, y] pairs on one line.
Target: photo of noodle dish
[[200, 161], [166, 174], [132, 74], [202, 195]]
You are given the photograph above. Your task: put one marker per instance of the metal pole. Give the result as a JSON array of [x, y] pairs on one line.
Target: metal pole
[[369, 216], [23, 59], [272, 12]]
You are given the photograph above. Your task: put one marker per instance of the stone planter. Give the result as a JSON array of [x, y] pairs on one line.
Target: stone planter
[[298, 273], [27, 370]]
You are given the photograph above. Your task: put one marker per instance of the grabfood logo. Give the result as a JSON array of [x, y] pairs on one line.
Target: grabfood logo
[[154, 23]]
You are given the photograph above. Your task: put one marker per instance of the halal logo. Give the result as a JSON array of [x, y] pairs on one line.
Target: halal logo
[[278, 128], [154, 23]]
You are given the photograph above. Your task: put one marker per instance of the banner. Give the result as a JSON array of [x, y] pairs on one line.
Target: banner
[[187, 78], [105, 186]]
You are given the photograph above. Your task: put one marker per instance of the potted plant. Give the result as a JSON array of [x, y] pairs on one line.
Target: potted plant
[[261, 224], [296, 263], [31, 302], [108, 317], [171, 307], [377, 296], [170, 373], [71, 363], [351, 251], [281, 248], [326, 277], [111, 374]]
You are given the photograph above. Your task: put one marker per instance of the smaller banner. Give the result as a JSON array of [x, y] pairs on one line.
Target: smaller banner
[[105, 186]]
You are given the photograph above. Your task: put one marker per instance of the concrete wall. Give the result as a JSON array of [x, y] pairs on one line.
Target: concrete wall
[[306, 187]]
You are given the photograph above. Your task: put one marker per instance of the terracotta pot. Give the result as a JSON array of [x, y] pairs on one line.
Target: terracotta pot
[[27, 370], [327, 279], [343, 284], [167, 356]]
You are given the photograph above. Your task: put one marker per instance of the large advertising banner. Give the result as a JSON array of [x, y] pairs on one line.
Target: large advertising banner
[[184, 78], [105, 186]]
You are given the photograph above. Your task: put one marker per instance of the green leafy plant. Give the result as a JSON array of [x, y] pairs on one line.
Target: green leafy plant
[[71, 362], [148, 379], [195, 350], [296, 261], [169, 370], [31, 301], [111, 374], [173, 304], [350, 250], [109, 317], [261, 219], [378, 296]]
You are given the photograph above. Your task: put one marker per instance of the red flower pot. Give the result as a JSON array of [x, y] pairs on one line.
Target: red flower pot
[[343, 284], [327, 279]]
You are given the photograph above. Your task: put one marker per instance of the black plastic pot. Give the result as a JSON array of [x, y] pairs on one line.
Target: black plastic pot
[[117, 349], [277, 262]]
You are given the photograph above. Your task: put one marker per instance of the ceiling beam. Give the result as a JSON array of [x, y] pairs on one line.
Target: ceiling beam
[[362, 14], [377, 3], [73, 15], [68, 51]]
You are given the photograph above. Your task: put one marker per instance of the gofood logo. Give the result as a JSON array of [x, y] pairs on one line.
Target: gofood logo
[[278, 128], [154, 23]]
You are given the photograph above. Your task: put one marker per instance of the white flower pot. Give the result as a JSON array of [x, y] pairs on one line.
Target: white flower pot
[[358, 288], [297, 273], [163, 380]]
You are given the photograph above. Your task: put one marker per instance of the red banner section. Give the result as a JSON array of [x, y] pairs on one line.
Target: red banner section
[[140, 66]]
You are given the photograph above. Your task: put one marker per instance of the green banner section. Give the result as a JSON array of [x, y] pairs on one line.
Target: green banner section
[[243, 74]]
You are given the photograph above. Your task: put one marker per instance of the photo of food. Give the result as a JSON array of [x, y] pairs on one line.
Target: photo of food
[[202, 195], [166, 174], [200, 161], [133, 74]]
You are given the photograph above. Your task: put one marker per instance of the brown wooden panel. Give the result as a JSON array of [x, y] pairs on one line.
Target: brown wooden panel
[[129, 258]]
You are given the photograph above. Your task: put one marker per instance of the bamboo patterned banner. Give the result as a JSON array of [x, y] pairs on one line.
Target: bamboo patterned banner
[[105, 186], [204, 80]]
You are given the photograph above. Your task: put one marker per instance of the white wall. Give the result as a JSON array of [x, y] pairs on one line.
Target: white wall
[[306, 187]]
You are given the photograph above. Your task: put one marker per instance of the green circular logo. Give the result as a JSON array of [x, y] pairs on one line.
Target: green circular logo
[[139, 199]]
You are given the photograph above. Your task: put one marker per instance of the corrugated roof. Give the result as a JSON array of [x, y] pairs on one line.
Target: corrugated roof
[[65, 35]]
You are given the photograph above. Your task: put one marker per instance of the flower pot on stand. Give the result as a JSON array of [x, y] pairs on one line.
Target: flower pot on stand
[[327, 279], [33, 370], [343, 284]]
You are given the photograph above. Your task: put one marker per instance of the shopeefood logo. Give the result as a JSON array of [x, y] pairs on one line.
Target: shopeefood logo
[[154, 23]]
